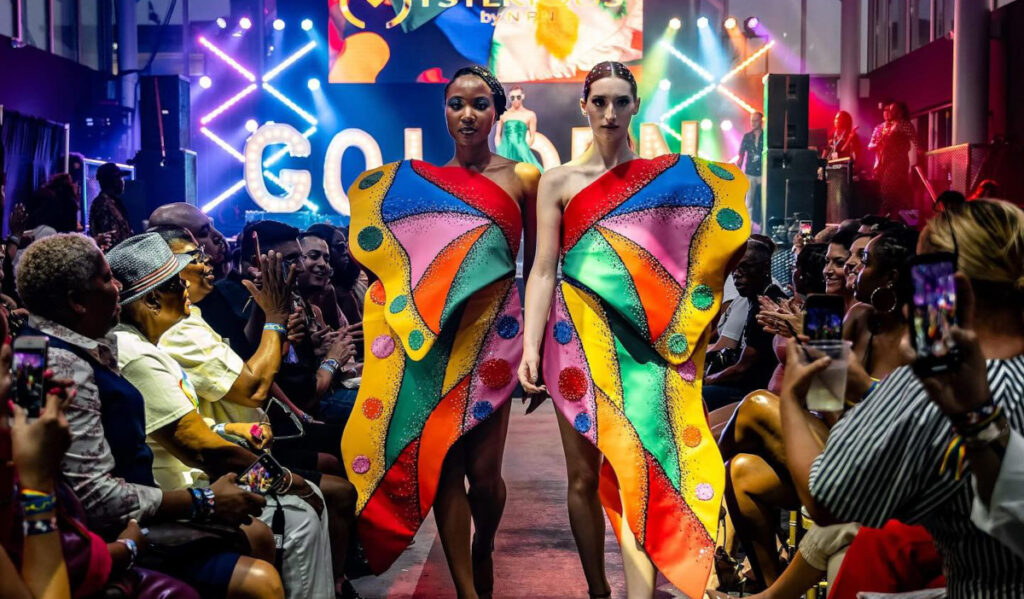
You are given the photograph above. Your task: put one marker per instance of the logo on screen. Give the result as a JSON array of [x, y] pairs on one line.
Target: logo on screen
[[351, 18]]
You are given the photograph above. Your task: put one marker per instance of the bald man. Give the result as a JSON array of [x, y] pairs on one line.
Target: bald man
[[187, 216]]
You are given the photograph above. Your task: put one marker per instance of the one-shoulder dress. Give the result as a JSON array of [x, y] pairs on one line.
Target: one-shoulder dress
[[644, 253], [443, 335]]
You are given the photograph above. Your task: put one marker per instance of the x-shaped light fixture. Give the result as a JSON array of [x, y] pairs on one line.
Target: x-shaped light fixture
[[251, 87], [712, 85]]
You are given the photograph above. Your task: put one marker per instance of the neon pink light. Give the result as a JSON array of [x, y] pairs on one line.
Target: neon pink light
[[235, 99], [244, 72]]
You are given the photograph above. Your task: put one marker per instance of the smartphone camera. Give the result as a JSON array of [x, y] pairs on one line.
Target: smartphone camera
[[27, 368], [933, 312]]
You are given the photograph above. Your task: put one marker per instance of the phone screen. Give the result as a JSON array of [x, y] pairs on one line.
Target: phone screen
[[822, 323], [805, 228], [262, 477], [27, 367], [934, 308]]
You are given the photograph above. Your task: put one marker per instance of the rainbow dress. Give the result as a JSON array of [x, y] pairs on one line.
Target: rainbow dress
[[644, 255], [443, 331]]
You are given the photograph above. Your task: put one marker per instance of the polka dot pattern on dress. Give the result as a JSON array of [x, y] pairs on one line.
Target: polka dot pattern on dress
[[377, 294], [691, 436], [563, 332], [361, 464], [481, 410], [720, 172], [729, 219], [373, 408], [416, 339], [370, 180], [582, 422], [370, 238], [572, 383], [703, 297], [508, 327], [399, 303], [677, 343], [705, 492], [496, 373], [382, 347]]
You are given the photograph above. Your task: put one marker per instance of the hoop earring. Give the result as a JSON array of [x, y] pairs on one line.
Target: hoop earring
[[895, 300]]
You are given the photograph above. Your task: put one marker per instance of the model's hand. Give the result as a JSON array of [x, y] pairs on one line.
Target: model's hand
[[529, 375]]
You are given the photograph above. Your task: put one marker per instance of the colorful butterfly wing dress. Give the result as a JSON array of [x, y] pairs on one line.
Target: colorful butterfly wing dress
[[644, 255], [442, 326]]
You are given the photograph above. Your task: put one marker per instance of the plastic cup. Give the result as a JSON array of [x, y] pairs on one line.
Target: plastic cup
[[827, 391]]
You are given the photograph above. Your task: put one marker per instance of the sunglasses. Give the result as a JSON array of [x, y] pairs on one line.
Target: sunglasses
[[198, 255], [172, 285]]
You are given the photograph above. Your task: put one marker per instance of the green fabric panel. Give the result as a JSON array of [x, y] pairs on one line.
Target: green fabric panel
[[419, 15], [594, 263], [418, 395], [487, 261], [643, 386]]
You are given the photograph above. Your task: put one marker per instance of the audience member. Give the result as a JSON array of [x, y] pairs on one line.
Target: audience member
[[756, 360], [66, 284], [184, 447], [108, 218], [348, 279], [894, 455], [187, 216]]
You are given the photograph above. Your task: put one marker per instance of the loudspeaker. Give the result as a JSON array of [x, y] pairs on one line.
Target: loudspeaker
[[164, 113], [791, 185], [785, 108], [159, 181]]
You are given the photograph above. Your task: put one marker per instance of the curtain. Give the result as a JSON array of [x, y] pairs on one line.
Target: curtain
[[32, 150]]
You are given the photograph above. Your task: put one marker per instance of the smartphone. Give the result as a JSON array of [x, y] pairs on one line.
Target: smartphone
[[27, 370], [933, 312], [805, 228], [263, 476], [823, 317]]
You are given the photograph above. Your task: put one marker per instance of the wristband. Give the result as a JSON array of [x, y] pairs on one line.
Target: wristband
[[969, 423], [202, 503], [220, 429], [209, 502], [986, 434], [32, 528], [277, 328], [34, 502], [330, 365], [133, 549]]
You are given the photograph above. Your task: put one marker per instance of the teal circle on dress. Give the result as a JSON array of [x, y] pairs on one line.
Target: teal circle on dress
[[399, 303], [677, 343], [729, 219], [370, 238], [720, 172], [415, 339], [703, 298], [370, 180]]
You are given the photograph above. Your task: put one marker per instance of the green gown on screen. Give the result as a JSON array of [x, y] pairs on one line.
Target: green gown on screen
[[513, 143]]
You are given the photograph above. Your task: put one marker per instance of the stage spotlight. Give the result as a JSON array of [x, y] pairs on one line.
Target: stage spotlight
[[726, 125], [664, 85], [245, 23], [313, 84], [675, 23], [278, 24], [205, 82], [222, 22], [307, 24], [729, 23], [251, 125], [703, 22], [751, 23], [706, 125]]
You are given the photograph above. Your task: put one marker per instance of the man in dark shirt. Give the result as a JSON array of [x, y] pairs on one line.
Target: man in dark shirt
[[750, 161], [107, 215], [757, 358]]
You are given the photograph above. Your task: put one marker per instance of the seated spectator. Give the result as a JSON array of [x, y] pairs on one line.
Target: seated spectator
[[67, 286], [347, 278], [890, 456], [184, 447], [835, 265], [187, 216], [232, 392], [756, 361]]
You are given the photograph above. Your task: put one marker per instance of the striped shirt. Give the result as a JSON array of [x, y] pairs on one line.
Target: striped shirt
[[883, 461]]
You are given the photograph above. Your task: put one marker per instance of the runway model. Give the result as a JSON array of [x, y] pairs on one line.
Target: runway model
[[516, 129], [443, 328], [644, 251]]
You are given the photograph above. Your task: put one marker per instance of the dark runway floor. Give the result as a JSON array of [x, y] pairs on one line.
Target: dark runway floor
[[535, 555]]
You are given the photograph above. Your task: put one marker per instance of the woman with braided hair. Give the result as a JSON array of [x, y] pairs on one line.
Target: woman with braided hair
[[644, 247], [443, 329]]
